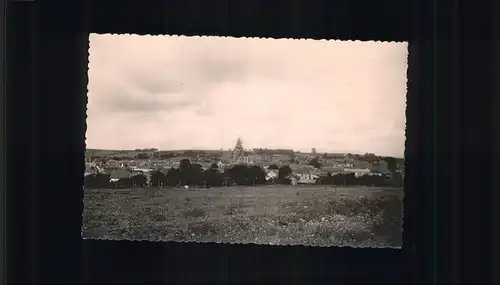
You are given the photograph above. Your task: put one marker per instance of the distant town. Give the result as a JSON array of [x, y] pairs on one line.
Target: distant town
[[161, 168]]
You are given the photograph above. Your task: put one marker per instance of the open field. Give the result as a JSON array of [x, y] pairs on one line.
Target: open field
[[279, 215]]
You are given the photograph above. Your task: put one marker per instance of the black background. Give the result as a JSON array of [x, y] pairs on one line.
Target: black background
[[447, 236]]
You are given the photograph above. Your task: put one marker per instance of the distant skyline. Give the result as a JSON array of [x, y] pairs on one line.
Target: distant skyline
[[319, 153], [175, 93], [232, 148]]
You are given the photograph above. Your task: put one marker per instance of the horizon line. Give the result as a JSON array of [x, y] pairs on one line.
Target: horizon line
[[229, 149]]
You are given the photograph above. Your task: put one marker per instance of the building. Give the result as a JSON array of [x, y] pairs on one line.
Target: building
[[380, 167], [307, 178], [272, 174], [358, 172], [243, 160], [238, 150], [324, 170]]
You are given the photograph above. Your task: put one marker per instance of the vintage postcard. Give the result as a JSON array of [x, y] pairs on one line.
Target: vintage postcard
[[245, 140]]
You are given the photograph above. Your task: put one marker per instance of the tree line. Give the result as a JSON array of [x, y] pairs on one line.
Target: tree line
[[349, 179], [194, 175]]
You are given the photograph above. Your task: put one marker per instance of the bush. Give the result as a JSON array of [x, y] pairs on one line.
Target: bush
[[349, 179], [96, 181], [246, 175]]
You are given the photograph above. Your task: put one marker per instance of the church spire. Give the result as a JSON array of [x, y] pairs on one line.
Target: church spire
[[239, 145], [238, 150]]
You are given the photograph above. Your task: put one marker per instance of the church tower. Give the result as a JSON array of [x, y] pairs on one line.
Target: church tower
[[238, 150]]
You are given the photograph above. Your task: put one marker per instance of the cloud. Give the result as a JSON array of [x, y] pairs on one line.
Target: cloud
[[135, 105], [204, 92]]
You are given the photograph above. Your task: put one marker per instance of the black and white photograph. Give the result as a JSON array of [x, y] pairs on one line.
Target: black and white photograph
[[245, 140]]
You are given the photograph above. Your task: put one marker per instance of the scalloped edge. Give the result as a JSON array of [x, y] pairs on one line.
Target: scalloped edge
[[170, 242], [236, 243], [241, 37]]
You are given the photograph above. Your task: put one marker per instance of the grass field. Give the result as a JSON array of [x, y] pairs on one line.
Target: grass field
[[279, 215]]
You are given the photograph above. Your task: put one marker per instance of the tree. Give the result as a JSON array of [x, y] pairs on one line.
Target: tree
[[158, 178], [195, 175], [214, 166], [124, 183], [99, 181], [391, 163], [284, 171], [397, 179], [238, 174], [314, 162], [257, 175], [196, 167], [142, 155], [185, 168], [184, 164], [213, 177], [226, 179], [369, 157], [274, 166], [173, 177], [139, 180]]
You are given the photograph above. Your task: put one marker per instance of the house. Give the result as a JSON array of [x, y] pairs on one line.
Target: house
[[380, 167], [293, 179], [135, 172], [242, 160], [307, 178], [113, 163], [203, 161], [118, 174], [142, 170], [358, 172], [206, 165], [324, 170], [272, 174]]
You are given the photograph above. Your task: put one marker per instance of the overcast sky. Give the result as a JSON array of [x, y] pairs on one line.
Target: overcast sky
[[171, 92]]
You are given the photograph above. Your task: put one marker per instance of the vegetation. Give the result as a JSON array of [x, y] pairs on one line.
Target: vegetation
[[349, 179], [264, 215], [315, 162], [194, 175]]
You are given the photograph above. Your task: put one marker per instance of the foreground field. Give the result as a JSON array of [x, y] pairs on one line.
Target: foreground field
[[278, 215]]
